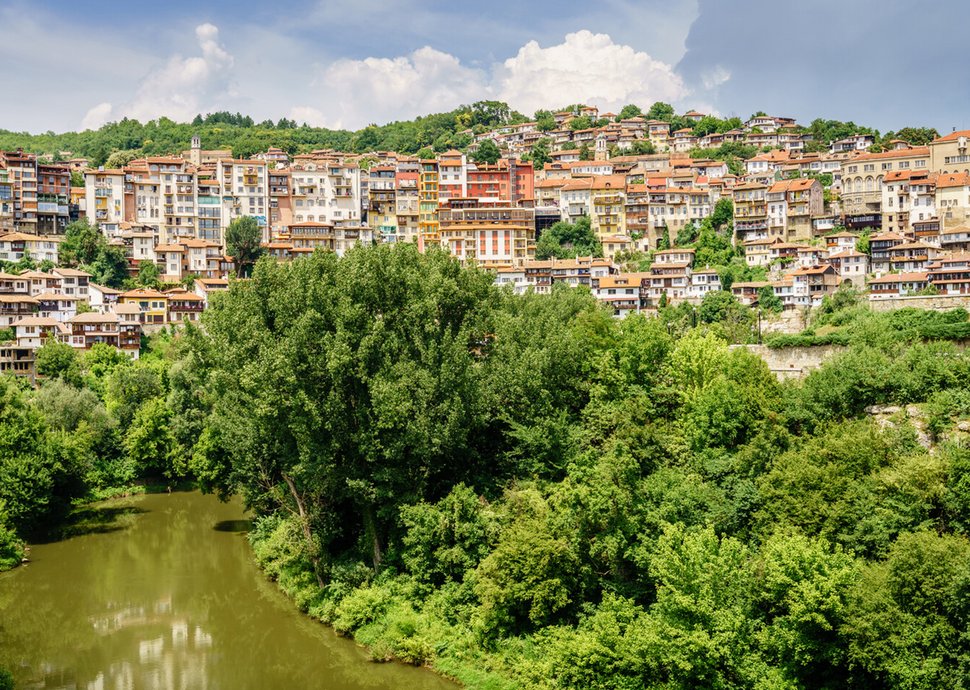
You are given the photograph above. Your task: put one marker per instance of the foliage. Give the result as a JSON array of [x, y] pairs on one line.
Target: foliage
[[539, 153], [768, 300], [81, 244], [57, 360], [487, 152], [148, 275], [522, 491], [243, 238], [564, 240], [109, 268]]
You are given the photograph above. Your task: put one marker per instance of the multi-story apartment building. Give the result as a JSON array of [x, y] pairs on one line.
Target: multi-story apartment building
[[507, 179], [382, 202], [6, 201], [750, 211], [53, 196], [38, 194], [428, 228], [406, 197], [15, 246], [953, 198], [950, 153], [492, 233], [245, 190], [862, 179], [908, 196], [104, 197], [607, 203], [453, 175]]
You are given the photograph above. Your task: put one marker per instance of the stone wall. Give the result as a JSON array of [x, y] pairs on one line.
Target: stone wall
[[934, 302], [794, 362]]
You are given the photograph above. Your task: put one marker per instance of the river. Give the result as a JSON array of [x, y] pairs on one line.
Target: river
[[160, 591]]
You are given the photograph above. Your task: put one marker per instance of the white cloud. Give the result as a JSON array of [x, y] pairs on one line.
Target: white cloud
[[180, 88], [97, 116], [358, 92], [585, 68], [714, 77]]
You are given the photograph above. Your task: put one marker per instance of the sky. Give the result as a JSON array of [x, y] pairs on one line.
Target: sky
[[345, 64]]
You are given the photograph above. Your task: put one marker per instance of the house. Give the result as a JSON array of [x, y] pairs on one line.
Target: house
[[852, 266], [747, 292], [810, 285], [16, 307], [841, 241], [59, 307], [73, 282], [184, 305], [33, 331], [152, 305], [703, 281], [955, 239], [911, 256], [951, 275], [87, 330], [670, 274], [897, 284], [102, 298], [622, 292], [206, 287], [880, 247]]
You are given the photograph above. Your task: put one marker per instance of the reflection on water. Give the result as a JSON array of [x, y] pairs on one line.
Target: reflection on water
[[160, 592]]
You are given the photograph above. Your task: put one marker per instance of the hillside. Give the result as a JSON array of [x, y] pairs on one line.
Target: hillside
[[439, 131]]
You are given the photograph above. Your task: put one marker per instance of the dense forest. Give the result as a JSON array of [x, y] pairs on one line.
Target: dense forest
[[523, 492], [117, 143]]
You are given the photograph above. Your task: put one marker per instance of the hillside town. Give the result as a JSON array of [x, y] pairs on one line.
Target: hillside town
[[807, 217]]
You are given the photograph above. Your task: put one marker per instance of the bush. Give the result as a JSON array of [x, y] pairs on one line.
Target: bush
[[11, 551]]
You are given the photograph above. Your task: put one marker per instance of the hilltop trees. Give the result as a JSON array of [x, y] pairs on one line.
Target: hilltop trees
[[487, 152]]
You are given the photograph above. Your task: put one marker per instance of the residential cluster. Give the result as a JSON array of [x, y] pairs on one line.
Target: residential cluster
[[894, 222], [65, 305]]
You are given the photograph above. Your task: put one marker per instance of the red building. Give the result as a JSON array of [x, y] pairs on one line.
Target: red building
[[512, 181]]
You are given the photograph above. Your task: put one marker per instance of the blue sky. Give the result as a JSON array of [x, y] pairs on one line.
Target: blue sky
[[344, 64]]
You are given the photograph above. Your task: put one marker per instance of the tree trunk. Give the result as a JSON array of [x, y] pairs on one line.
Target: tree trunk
[[370, 525], [305, 524]]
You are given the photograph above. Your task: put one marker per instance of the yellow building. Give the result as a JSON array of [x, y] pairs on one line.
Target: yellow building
[[152, 305], [608, 198], [428, 205]]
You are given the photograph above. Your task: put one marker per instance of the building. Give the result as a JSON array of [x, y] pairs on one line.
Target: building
[[104, 199], [491, 233], [862, 179]]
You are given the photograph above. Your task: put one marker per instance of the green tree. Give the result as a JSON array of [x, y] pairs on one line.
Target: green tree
[[540, 153], [81, 244], [341, 445], [768, 300], [110, 267], [148, 275], [119, 159], [660, 111], [565, 240], [57, 360], [243, 243], [585, 153], [629, 111], [149, 442], [487, 152]]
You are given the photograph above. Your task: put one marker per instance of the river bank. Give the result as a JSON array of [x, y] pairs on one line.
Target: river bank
[[391, 616]]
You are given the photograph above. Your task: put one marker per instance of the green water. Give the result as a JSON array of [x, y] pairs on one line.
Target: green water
[[161, 592]]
